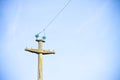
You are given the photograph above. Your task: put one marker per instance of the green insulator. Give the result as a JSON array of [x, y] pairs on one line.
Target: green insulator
[[44, 37], [37, 35]]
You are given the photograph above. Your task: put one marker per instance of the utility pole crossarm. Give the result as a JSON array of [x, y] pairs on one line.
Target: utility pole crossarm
[[32, 50], [37, 51]]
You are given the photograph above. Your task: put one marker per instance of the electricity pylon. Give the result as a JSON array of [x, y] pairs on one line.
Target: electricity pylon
[[40, 51]]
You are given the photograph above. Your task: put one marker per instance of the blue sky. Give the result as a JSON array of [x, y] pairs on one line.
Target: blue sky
[[85, 37]]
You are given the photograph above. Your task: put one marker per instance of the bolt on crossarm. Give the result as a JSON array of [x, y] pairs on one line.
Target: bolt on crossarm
[[40, 51]]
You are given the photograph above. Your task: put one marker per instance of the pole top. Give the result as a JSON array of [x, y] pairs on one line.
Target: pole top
[[40, 40]]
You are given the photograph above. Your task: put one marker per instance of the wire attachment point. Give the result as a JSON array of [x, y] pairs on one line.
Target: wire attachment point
[[44, 37], [37, 35]]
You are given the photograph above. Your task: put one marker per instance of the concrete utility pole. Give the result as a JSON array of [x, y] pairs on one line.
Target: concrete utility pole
[[40, 52]]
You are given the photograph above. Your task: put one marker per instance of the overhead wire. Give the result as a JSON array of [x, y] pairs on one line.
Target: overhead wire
[[55, 17]]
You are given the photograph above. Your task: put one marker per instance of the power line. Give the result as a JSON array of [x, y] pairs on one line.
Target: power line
[[55, 17]]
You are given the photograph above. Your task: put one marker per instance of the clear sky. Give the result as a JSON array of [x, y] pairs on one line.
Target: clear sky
[[85, 37]]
